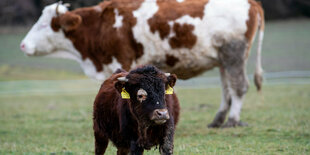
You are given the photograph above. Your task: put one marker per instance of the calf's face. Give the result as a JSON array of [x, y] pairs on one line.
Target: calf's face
[[147, 95]]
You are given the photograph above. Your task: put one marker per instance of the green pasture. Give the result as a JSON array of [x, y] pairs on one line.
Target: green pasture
[[62, 123]]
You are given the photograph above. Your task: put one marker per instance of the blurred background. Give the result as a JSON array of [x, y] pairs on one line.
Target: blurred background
[[53, 98], [285, 48]]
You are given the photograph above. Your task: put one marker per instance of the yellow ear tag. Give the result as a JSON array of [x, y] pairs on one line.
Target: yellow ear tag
[[125, 94], [169, 90]]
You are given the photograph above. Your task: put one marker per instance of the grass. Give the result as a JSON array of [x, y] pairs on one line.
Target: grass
[[62, 124]]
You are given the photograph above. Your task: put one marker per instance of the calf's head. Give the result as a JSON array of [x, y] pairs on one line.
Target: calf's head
[[146, 87]]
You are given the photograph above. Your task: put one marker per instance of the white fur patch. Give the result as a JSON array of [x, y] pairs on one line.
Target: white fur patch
[[66, 55], [112, 67], [90, 69], [225, 18], [235, 109], [259, 51], [98, 8], [180, 1], [118, 19]]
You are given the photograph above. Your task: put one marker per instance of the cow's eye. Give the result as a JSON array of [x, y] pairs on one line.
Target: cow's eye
[[141, 95]]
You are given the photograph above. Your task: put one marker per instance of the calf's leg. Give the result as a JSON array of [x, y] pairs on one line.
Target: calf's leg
[[135, 148], [166, 148], [232, 58], [122, 151], [101, 143]]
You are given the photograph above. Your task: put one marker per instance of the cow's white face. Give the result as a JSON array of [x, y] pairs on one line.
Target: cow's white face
[[41, 39]]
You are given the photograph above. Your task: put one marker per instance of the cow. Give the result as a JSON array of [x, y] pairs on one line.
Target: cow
[[184, 37], [145, 116]]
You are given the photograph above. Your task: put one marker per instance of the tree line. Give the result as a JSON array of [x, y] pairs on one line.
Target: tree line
[[26, 12]]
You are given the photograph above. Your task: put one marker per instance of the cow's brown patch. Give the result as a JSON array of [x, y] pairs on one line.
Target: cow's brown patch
[[159, 22], [171, 60], [184, 38], [252, 23], [96, 38]]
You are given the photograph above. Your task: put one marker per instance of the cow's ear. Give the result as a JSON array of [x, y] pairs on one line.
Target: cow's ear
[[69, 21], [172, 78], [105, 4]]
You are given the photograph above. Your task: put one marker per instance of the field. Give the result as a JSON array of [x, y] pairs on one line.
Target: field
[[46, 104], [279, 123]]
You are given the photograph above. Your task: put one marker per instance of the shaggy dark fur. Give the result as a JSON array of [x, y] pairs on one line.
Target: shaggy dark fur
[[126, 122]]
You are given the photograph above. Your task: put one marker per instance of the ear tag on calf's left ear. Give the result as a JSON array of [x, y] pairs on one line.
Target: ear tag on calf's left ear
[[125, 94], [169, 90]]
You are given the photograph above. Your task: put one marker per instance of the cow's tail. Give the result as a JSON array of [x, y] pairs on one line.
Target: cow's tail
[[258, 76]]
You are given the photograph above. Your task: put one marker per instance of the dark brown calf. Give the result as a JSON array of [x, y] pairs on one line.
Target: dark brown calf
[[146, 119]]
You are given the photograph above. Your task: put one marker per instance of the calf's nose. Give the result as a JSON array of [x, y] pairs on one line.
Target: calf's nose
[[161, 114]]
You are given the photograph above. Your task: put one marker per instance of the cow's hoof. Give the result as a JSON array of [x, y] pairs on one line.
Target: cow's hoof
[[218, 120], [240, 123], [233, 123], [214, 125]]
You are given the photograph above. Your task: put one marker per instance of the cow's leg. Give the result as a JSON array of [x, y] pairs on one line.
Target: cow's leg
[[232, 57], [225, 103], [101, 143], [237, 91]]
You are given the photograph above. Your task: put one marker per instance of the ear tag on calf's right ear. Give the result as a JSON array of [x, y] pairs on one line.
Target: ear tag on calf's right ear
[[169, 90], [125, 94]]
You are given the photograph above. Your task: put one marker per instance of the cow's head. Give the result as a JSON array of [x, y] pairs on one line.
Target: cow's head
[[43, 38], [146, 87]]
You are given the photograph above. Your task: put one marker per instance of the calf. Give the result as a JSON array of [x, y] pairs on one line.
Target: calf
[[133, 111]]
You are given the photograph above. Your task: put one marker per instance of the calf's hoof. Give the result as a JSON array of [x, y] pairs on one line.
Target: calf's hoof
[[233, 123]]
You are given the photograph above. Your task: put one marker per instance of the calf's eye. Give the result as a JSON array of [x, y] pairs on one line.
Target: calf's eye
[[141, 95]]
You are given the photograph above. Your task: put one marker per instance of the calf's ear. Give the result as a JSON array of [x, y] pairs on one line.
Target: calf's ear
[[171, 80], [69, 21], [119, 85]]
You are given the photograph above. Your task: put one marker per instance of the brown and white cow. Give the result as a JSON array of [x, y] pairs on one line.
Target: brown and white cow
[[185, 37]]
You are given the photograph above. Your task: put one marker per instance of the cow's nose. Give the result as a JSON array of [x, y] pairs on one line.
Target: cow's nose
[[161, 113], [22, 46]]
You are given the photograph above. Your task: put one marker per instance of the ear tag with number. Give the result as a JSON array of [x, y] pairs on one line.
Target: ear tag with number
[[125, 94], [169, 90]]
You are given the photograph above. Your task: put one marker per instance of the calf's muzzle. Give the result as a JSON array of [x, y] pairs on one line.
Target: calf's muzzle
[[160, 116]]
